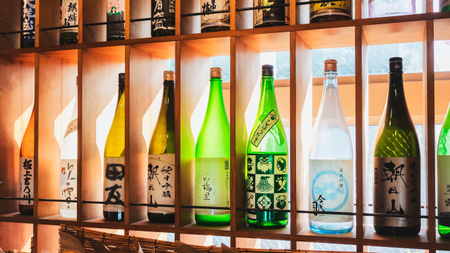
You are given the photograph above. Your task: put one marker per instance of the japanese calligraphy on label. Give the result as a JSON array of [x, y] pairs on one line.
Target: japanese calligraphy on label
[[280, 14], [343, 8], [164, 11], [212, 185], [68, 186], [397, 190], [26, 175], [28, 20], [114, 184], [69, 15], [219, 19], [267, 183], [331, 189], [443, 188], [115, 12], [266, 125], [161, 182]]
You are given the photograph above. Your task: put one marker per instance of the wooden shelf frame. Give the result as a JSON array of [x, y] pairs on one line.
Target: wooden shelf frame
[[50, 70]]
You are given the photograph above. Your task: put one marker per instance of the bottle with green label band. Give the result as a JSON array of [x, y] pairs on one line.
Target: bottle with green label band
[[396, 163], [330, 162], [114, 162], [161, 158], [267, 181], [212, 157], [443, 178]]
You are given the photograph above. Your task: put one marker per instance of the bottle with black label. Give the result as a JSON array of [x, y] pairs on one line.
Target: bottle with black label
[[330, 11], [396, 163], [218, 21], [163, 12], [270, 16]]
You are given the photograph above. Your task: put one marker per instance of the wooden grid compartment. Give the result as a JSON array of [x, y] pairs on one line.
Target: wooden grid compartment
[[50, 70]]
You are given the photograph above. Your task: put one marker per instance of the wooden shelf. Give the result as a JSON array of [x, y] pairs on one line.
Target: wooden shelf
[[46, 75]]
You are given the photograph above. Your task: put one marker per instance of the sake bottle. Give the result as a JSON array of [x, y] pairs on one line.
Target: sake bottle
[[396, 163], [212, 159], [114, 162], [330, 162], [267, 181], [161, 158], [26, 169], [443, 178]]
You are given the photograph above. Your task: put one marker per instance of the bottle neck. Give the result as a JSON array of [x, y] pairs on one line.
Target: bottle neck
[[121, 91], [396, 111], [168, 100], [267, 100], [215, 94]]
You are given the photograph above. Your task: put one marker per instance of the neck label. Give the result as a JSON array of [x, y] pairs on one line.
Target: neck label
[[268, 123]]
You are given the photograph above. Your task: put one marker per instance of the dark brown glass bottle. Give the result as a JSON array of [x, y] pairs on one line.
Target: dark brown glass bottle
[[164, 11], [330, 11]]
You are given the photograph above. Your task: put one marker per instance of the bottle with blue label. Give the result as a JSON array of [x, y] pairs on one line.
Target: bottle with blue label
[[28, 23], [267, 170], [330, 163]]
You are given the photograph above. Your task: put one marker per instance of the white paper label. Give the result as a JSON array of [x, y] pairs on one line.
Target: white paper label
[[69, 14], [443, 187], [212, 185], [161, 182], [26, 175], [116, 7], [331, 189], [220, 19], [68, 183], [114, 184]]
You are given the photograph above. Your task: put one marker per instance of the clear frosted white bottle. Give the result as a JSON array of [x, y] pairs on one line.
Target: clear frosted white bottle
[[68, 179], [330, 162]]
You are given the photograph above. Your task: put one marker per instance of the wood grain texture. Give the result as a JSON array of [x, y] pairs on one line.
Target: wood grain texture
[[244, 19], [143, 89], [211, 47], [268, 42], [22, 234], [47, 238], [49, 16], [140, 9], [11, 13], [94, 12], [392, 33], [192, 24], [329, 38]]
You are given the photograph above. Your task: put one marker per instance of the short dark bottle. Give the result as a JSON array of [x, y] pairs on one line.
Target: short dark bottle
[[330, 11], [270, 16], [115, 12], [218, 21], [28, 23], [164, 13]]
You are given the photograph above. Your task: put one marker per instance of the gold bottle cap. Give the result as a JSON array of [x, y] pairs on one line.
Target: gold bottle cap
[[330, 64], [216, 72], [169, 75]]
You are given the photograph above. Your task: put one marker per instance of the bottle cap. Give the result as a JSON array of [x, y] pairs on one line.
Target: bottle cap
[[169, 75], [267, 70], [216, 72], [121, 78], [330, 65], [395, 64]]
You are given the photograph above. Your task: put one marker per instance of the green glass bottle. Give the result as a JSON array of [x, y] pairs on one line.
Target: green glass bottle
[[161, 158], [443, 177], [396, 163], [267, 162], [444, 5], [114, 162], [212, 156]]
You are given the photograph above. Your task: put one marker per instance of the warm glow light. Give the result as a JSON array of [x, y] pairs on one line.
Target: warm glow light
[[162, 237], [150, 117], [27, 246], [21, 124], [62, 121], [120, 232]]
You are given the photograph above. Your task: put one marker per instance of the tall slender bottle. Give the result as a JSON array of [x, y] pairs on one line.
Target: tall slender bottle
[[115, 11], [215, 22], [270, 16], [385, 8], [28, 23], [161, 158], [69, 171], [69, 17], [443, 178], [396, 163], [114, 162], [330, 11], [164, 11], [444, 5], [26, 168], [212, 158], [267, 162], [330, 162]]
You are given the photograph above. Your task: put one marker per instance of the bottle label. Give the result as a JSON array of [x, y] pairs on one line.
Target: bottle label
[[267, 183], [116, 12], [212, 185], [331, 189], [164, 11], [26, 174], [396, 190], [275, 15], [443, 187], [68, 183], [114, 184], [28, 20], [220, 19], [69, 15], [443, 3], [343, 8], [161, 182], [72, 127], [266, 125]]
